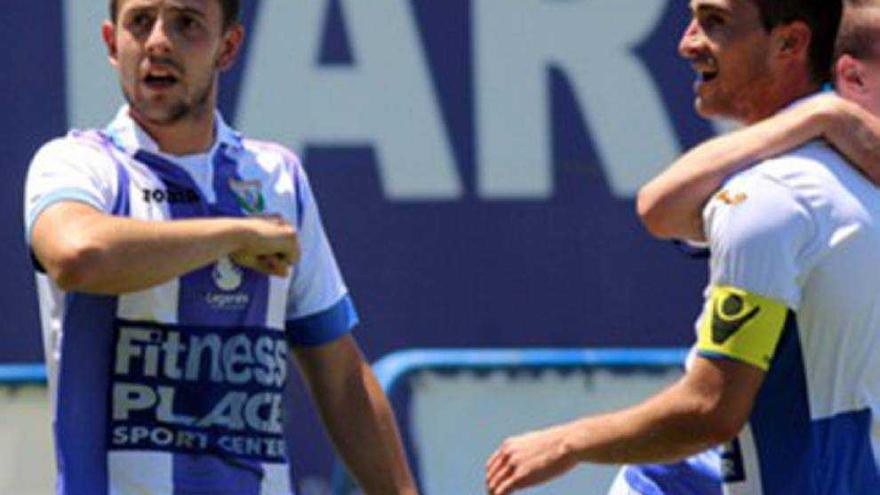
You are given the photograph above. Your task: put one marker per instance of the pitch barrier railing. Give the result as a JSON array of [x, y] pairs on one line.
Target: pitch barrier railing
[[394, 369]]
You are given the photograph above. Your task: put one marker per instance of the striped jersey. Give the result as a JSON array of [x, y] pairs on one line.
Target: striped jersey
[[799, 232], [178, 389]]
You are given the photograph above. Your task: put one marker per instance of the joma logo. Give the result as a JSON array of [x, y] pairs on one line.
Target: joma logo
[[172, 196]]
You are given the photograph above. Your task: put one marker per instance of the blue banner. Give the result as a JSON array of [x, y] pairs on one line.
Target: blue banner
[[475, 161]]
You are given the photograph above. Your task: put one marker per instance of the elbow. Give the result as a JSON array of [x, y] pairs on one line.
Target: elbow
[[720, 424], [74, 266], [722, 428], [651, 214]]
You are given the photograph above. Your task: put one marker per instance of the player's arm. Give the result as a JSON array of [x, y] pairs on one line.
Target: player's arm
[[357, 416], [758, 249], [708, 406], [85, 250], [855, 132], [670, 205], [352, 405], [738, 336]]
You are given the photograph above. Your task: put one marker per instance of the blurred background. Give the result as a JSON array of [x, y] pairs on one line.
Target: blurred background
[[475, 162]]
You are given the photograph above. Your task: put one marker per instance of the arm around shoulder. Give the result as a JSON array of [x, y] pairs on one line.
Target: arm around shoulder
[[670, 205]]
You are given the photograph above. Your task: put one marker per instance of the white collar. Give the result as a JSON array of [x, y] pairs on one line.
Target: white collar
[[129, 136]]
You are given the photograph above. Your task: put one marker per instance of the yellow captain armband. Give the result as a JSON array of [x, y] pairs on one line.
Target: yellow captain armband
[[742, 326]]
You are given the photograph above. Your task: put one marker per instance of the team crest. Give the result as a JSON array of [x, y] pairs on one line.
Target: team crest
[[249, 195], [226, 275]]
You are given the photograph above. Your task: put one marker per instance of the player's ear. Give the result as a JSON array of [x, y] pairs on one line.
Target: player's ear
[[233, 38], [792, 41], [108, 33], [850, 74]]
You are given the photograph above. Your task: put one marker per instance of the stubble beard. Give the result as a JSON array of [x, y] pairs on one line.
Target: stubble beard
[[172, 112]]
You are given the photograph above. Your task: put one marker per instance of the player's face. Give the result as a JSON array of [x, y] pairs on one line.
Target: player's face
[[728, 48], [860, 78], [168, 54]]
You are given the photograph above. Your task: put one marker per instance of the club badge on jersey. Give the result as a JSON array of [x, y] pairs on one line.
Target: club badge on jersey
[[249, 195]]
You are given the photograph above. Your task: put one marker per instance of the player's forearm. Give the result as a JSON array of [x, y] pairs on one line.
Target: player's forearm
[[110, 255], [856, 133], [357, 416], [671, 204], [668, 427], [368, 440]]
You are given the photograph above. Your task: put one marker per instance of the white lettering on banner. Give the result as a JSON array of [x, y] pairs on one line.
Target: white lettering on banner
[[593, 43], [386, 100], [93, 93]]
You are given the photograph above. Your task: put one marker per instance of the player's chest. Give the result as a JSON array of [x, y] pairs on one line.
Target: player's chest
[[207, 188]]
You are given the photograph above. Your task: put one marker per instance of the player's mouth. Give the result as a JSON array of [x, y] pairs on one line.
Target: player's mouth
[[159, 79], [706, 72], [707, 76]]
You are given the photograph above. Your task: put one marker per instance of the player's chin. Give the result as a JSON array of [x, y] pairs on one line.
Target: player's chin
[[162, 111], [707, 108]]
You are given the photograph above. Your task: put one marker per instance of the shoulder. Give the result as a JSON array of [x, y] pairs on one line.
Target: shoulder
[[82, 149], [766, 204], [805, 171], [273, 155], [802, 177]]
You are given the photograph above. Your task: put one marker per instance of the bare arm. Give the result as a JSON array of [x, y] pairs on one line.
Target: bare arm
[[357, 416], [855, 132], [85, 250], [670, 205], [708, 406]]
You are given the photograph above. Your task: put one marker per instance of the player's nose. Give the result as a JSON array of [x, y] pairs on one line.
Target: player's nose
[[691, 41], [158, 42]]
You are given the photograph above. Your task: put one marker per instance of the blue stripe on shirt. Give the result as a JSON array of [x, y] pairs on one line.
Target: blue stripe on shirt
[[324, 327]]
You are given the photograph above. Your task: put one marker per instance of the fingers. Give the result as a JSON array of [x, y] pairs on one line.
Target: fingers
[[272, 246], [495, 464], [273, 265], [266, 264], [501, 473]]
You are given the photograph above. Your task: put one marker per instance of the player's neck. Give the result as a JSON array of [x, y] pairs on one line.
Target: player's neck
[[781, 95], [191, 135]]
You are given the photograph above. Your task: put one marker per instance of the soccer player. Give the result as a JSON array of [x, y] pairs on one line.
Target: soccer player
[[671, 205], [784, 374], [180, 268]]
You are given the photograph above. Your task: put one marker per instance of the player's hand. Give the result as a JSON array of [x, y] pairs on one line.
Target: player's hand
[[849, 128], [528, 460], [270, 245]]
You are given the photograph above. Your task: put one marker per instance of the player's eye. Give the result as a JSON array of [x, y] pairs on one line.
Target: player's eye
[[187, 24], [711, 21], [140, 22]]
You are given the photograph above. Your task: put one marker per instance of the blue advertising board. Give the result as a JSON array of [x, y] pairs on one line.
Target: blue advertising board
[[475, 161]]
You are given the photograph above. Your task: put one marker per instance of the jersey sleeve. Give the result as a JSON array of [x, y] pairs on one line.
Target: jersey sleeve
[[320, 309], [65, 170], [758, 232]]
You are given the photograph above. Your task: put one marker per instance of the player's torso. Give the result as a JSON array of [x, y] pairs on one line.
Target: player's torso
[[814, 427], [182, 383], [253, 180]]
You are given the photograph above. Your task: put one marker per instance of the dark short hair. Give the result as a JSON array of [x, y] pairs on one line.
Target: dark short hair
[[231, 9], [857, 34], [822, 17]]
